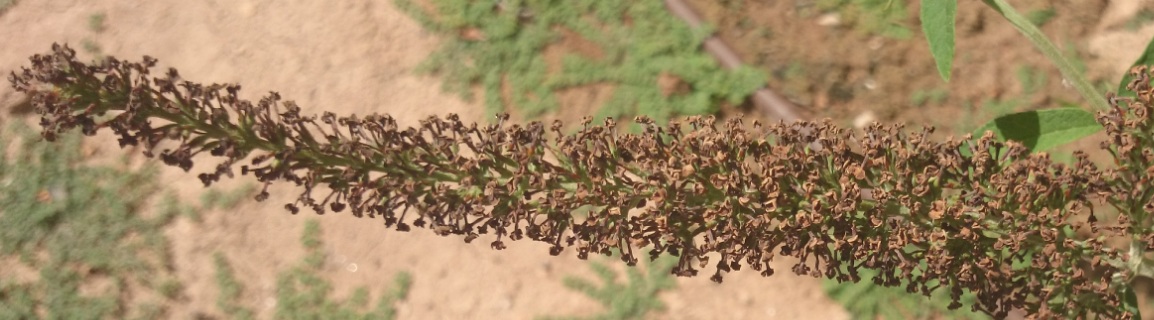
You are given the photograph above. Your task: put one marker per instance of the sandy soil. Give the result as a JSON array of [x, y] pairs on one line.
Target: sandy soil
[[831, 69], [347, 57]]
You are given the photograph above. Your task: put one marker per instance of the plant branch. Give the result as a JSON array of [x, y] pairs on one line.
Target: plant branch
[[694, 189], [1069, 71]]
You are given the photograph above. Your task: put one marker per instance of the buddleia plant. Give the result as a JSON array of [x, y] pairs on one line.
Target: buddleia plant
[[952, 215]]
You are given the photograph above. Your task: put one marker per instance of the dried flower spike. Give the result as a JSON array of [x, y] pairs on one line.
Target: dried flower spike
[[994, 220]]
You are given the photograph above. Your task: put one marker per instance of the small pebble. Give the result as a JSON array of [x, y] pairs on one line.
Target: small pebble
[[829, 20], [864, 119]]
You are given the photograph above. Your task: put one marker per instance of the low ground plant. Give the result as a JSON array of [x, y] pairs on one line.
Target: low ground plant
[[66, 225], [635, 298], [652, 62], [304, 293], [887, 18]]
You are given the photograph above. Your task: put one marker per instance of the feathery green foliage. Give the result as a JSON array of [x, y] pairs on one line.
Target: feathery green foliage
[[302, 293], [217, 199], [881, 17], [230, 290], [76, 224], [499, 46], [866, 300], [96, 26], [633, 299]]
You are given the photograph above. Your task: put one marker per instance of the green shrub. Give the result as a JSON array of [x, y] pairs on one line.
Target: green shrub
[[633, 299], [505, 51], [302, 293], [76, 224], [882, 17]]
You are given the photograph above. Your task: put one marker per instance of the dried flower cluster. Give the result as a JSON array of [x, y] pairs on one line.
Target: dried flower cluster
[[1130, 127], [974, 214]]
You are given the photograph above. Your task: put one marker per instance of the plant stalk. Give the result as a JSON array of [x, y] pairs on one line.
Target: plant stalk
[[1069, 72]]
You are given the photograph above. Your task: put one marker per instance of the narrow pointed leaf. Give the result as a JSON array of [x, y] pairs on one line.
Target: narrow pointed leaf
[[1131, 303], [938, 25], [1042, 130]]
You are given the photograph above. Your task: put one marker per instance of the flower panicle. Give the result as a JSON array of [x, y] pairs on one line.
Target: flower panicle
[[966, 213]]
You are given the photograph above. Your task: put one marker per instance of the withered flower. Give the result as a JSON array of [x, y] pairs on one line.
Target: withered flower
[[989, 220]]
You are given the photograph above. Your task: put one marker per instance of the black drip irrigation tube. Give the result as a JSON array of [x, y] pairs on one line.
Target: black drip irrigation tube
[[765, 99]]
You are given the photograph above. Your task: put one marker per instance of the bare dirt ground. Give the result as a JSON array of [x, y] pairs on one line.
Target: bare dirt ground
[[834, 68], [345, 57]]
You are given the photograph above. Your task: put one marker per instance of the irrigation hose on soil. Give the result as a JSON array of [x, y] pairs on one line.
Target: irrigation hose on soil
[[765, 99]]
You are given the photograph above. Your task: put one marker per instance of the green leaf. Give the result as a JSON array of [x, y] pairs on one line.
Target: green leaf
[[1146, 59], [1042, 130], [938, 25], [1131, 303], [1069, 70]]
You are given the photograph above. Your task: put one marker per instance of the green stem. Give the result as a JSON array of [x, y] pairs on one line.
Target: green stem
[[248, 140], [1042, 43]]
